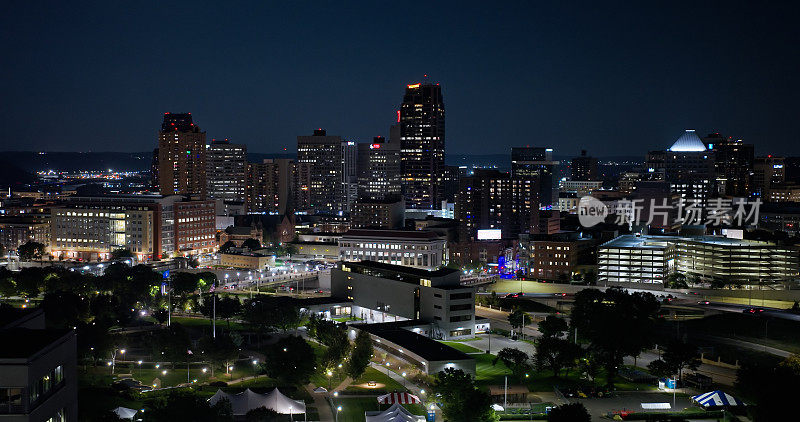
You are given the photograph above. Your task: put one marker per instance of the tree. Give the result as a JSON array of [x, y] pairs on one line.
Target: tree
[[590, 278], [570, 412], [360, 356], [65, 309], [121, 253], [518, 318], [461, 400], [553, 326], [251, 244], [265, 312], [31, 251], [227, 246], [677, 356], [772, 387], [556, 354], [333, 337], [676, 280], [262, 414], [219, 351], [183, 283], [290, 360], [616, 323], [187, 405], [171, 342], [514, 359], [659, 368], [161, 315]]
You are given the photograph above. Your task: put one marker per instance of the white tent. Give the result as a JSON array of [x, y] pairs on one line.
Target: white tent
[[125, 413], [402, 398], [395, 413], [248, 400]]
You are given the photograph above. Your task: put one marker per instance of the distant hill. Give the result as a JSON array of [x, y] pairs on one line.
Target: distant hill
[[32, 162], [14, 176]]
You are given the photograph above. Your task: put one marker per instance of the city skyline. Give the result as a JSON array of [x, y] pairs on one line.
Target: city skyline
[[517, 75]]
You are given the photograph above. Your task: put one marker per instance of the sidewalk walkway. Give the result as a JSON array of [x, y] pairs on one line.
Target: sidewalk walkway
[[321, 403]]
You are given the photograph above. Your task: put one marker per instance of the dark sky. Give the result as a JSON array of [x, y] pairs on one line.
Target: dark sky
[[614, 78]]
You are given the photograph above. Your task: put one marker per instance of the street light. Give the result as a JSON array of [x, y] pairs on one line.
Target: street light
[[140, 367], [330, 374], [255, 362], [338, 409]]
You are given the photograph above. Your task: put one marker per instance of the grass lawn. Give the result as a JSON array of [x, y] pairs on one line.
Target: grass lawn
[[353, 408], [201, 322], [488, 374], [461, 347], [372, 374]]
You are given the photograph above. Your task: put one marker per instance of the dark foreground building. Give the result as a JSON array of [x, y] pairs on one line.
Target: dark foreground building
[[38, 369]]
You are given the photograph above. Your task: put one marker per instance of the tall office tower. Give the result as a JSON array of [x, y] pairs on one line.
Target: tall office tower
[[493, 200], [421, 119], [154, 171], [226, 168], [349, 174], [768, 172], [584, 167], [378, 169], [272, 186], [687, 165], [733, 164], [181, 156], [792, 170], [537, 163], [451, 179], [323, 153]]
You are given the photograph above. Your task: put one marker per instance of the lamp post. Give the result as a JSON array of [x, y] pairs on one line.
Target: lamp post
[[140, 367], [255, 364], [338, 409]]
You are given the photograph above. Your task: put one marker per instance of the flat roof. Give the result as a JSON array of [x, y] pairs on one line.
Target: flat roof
[[21, 343], [402, 269], [658, 242], [12, 315], [395, 234], [424, 347]]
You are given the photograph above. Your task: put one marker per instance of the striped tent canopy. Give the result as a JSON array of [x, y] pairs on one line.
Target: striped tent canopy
[[402, 398], [717, 398]]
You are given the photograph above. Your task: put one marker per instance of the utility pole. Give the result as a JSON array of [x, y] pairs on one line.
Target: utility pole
[[214, 315], [505, 393]]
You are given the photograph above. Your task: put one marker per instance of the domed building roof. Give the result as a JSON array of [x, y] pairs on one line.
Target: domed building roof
[[688, 142]]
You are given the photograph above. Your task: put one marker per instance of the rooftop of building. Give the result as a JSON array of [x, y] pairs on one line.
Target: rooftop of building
[[424, 347], [688, 142], [660, 242], [12, 316], [23, 343], [390, 269], [239, 230], [394, 234]]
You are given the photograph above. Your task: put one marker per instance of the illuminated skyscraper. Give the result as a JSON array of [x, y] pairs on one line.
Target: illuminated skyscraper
[[537, 163], [226, 167], [181, 156], [421, 119], [323, 154]]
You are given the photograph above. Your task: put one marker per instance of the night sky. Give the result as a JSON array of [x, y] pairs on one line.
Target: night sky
[[611, 78]]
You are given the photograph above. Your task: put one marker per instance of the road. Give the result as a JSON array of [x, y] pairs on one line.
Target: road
[[499, 319]]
